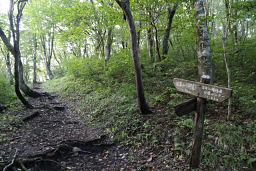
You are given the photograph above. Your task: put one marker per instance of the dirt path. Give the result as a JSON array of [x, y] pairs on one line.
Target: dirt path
[[51, 137]]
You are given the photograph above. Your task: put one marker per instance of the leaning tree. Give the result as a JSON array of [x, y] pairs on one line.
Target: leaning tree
[[125, 5], [14, 49]]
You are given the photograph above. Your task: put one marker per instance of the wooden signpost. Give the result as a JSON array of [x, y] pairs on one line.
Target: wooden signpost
[[202, 90]]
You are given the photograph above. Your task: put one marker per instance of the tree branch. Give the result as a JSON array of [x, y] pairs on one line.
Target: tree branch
[[6, 41]]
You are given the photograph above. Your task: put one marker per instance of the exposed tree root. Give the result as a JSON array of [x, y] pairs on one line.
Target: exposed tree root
[[12, 162], [51, 159], [59, 108], [29, 117]]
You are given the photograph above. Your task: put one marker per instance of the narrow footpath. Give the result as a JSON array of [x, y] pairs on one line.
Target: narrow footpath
[[51, 137]]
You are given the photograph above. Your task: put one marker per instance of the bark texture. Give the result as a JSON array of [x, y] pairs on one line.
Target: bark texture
[[16, 50], [23, 86], [125, 5], [34, 60], [202, 41], [170, 14], [48, 51], [150, 44], [8, 65], [153, 24], [109, 43], [205, 72], [224, 38]]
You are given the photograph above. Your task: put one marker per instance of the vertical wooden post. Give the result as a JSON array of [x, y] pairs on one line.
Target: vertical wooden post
[[198, 127]]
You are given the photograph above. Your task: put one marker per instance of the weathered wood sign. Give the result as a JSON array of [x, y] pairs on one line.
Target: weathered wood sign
[[185, 107], [202, 90]]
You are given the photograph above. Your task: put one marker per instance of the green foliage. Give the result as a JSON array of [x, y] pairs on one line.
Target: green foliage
[[229, 147], [244, 95], [58, 72], [120, 67], [6, 90], [84, 69]]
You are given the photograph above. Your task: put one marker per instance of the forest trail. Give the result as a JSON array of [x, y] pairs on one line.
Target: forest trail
[[51, 137]]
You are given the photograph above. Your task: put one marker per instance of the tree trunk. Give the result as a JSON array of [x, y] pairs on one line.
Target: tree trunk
[[156, 37], [203, 41], [48, 52], [8, 65], [109, 43], [150, 44], [34, 60], [17, 78], [55, 57], [205, 73], [9, 68], [224, 38], [15, 49], [23, 86], [85, 48], [157, 44], [138, 34], [170, 14], [125, 5]]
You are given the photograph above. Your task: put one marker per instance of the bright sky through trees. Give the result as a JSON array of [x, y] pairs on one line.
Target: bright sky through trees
[[4, 6]]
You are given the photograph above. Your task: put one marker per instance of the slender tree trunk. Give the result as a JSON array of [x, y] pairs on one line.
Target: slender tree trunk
[[123, 44], [9, 68], [109, 43], [17, 79], [25, 73], [102, 45], [23, 86], [55, 57], [48, 52], [125, 5], [170, 14], [15, 49], [157, 44], [203, 41], [8, 65], [156, 37], [205, 72], [138, 34], [34, 60], [224, 38], [85, 48], [150, 44]]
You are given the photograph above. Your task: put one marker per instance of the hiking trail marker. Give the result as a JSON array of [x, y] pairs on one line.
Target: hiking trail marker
[[203, 91]]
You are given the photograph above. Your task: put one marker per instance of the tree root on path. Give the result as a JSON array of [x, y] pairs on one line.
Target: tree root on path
[[29, 117], [51, 159], [12, 162]]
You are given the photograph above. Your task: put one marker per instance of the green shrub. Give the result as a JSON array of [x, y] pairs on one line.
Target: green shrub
[[6, 91], [120, 67], [84, 69]]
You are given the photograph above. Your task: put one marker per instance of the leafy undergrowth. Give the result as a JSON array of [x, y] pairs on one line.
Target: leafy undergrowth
[[7, 93], [162, 140]]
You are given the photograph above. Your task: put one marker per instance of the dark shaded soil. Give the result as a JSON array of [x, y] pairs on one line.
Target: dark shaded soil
[[51, 137]]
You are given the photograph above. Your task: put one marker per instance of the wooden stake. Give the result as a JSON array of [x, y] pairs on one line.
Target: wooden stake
[[198, 127]]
